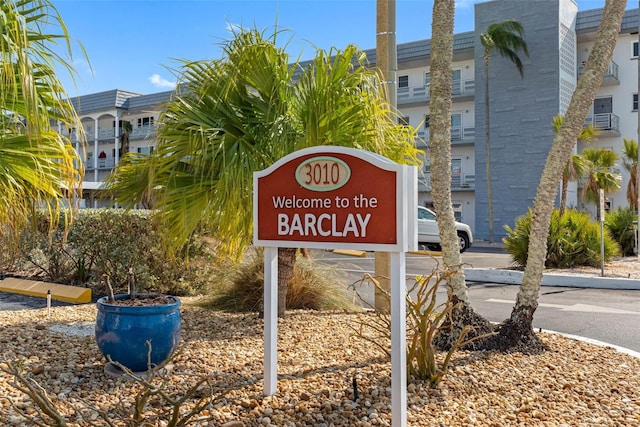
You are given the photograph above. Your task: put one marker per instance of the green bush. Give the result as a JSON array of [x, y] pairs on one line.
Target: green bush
[[574, 239], [107, 243], [42, 249], [620, 224]]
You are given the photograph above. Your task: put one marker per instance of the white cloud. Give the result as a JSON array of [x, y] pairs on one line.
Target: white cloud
[[160, 82]]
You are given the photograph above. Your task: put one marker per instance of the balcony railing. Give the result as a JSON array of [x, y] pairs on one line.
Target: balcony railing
[[413, 94], [463, 88], [606, 123], [610, 76], [106, 133], [107, 163], [143, 132], [460, 89], [459, 182], [459, 135], [463, 181], [109, 133]]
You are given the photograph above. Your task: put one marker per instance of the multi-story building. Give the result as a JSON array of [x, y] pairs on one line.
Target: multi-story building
[[559, 39], [136, 116]]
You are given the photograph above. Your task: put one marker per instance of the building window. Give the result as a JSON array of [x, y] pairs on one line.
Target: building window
[[456, 82], [403, 121], [634, 49], [403, 81], [145, 150], [427, 121], [427, 79], [456, 173], [145, 121], [456, 127], [635, 102]]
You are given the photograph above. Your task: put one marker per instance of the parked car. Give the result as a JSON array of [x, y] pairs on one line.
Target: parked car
[[428, 231]]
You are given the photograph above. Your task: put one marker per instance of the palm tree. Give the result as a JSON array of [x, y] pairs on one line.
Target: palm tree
[[630, 162], [38, 166], [519, 327], [505, 37], [598, 175], [440, 155], [233, 116], [572, 171], [126, 130], [575, 167]]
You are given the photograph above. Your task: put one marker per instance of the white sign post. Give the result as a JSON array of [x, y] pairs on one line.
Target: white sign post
[[331, 197]]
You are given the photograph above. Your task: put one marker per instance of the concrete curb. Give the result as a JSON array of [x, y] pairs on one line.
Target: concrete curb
[[618, 348], [513, 277]]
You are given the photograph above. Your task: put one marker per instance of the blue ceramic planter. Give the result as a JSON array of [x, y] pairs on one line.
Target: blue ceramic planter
[[122, 331]]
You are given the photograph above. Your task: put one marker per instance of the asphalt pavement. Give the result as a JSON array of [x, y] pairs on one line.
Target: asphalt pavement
[[15, 302], [608, 315]]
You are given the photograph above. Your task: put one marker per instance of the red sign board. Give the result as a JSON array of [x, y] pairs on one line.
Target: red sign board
[[332, 197]]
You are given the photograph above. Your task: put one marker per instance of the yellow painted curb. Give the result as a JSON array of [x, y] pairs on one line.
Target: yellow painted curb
[[350, 252], [34, 288]]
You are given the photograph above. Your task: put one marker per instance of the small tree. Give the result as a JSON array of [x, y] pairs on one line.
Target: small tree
[[575, 167], [38, 165], [599, 174], [240, 114], [630, 162], [519, 327]]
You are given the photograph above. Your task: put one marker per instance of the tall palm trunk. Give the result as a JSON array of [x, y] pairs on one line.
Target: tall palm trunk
[[632, 188], [563, 197], [440, 143], [519, 327], [487, 145]]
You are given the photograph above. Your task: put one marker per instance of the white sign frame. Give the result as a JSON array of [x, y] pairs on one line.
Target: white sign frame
[[406, 240]]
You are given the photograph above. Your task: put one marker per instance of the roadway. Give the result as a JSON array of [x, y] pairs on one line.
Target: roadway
[[607, 315]]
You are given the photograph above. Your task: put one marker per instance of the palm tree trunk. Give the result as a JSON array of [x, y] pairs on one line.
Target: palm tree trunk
[[440, 147], [286, 262], [487, 145], [632, 188], [519, 327], [563, 195]]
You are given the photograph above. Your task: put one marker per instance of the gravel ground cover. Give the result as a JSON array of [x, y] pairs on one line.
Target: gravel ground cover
[[571, 384]]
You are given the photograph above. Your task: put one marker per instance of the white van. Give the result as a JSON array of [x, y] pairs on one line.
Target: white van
[[428, 231]]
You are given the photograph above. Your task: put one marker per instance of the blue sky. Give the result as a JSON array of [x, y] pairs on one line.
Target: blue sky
[[136, 44]]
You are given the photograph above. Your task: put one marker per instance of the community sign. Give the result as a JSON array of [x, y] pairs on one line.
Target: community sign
[[335, 197]]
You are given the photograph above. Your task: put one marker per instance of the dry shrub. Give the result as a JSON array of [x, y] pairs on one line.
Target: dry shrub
[[424, 318], [239, 287]]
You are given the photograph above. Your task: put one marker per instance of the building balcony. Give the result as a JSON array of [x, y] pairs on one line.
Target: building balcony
[[461, 90], [463, 182], [610, 77], [607, 123], [143, 132], [459, 182], [103, 164], [413, 95], [108, 133], [459, 136]]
